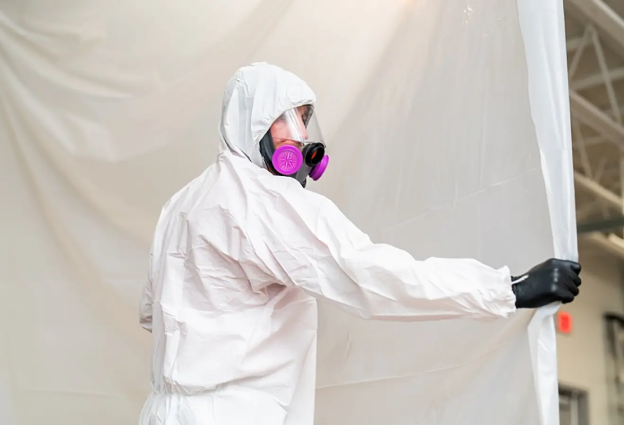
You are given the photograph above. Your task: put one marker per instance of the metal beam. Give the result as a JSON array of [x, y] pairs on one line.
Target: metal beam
[[604, 18], [597, 79], [573, 43], [604, 70], [580, 141], [592, 141], [576, 58], [608, 243], [602, 166], [610, 223], [593, 117], [604, 194]]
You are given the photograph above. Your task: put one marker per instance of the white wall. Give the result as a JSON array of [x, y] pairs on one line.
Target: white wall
[[583, 354]]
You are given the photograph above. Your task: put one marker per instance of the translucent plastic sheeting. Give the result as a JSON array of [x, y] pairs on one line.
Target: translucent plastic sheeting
[[447, 124]]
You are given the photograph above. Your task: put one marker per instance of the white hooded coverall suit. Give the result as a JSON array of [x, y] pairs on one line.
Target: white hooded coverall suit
[[238, 259]]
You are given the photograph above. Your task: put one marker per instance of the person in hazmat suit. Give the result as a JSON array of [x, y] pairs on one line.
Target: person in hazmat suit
[[241, 254]]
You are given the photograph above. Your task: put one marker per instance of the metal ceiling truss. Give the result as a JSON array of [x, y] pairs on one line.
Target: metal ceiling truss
[[593, 174]]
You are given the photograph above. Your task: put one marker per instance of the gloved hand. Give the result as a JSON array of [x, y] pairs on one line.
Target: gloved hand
[[552, 281]]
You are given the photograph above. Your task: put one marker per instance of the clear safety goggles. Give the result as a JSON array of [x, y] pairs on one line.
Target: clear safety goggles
[[297, 126]]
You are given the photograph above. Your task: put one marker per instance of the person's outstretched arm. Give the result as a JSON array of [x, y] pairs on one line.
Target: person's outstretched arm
[[306, 241]]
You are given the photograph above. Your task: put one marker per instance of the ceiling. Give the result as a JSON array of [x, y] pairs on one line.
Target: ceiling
[[595, 50]]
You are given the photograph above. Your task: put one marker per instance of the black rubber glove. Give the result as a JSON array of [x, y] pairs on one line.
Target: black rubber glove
[[549, 282]]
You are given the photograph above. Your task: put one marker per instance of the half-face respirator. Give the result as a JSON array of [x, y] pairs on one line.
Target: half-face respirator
[[294, 146]]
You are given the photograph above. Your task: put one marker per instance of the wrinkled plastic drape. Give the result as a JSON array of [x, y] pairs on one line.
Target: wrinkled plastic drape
[[448, 127]]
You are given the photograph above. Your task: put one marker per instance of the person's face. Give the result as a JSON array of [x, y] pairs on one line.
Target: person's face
[[290, 129]]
